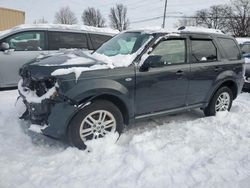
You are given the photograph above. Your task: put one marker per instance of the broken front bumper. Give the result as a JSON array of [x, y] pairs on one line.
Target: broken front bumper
[[37, 113], [53, 116]]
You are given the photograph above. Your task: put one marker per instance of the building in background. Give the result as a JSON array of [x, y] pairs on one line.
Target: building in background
[[10, 18]]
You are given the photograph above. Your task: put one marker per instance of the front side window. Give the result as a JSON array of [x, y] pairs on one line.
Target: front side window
[[230, 48], [203, 50], [27, 41], [124, 44], [62, 40], [171, 51]]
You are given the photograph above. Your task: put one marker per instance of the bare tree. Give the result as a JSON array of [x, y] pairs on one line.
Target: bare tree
[[118, 17], [234, 18], [217, 17], [65, 16], [93, 17], [240, 18], [40, 21]]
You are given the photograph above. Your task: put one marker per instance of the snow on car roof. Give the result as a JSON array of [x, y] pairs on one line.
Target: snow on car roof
[[90, 29], [191, 29]]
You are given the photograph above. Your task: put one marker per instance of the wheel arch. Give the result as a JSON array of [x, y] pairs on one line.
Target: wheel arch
[[120, 103], [230, 83]]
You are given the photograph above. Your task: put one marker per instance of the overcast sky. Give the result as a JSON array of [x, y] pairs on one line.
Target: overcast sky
[[137, 9]]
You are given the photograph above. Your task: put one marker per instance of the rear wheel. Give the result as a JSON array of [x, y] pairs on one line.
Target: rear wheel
[[93, 122], [221, 101]]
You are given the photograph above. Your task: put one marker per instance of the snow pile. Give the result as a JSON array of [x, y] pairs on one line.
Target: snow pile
[[186, 150], [37, 128], [31, 96]]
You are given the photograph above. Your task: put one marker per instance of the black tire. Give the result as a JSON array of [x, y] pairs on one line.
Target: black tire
[[210, 109], [75, 123]]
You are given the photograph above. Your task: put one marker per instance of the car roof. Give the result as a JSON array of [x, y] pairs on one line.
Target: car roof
[[60, 27]]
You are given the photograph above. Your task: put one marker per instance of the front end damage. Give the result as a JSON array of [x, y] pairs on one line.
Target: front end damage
[[38, 98], [45, 106], [48, 98]]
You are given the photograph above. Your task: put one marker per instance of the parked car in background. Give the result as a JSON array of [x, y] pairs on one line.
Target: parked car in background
[[25, 42], [136, 75], [245, 48]]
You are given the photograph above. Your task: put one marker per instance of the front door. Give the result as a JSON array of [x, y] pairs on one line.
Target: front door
[[164, 85], [24, 47]]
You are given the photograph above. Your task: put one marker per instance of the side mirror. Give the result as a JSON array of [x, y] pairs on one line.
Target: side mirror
[[152, 61], [4, 46]]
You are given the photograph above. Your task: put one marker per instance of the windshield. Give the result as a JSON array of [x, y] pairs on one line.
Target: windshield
[[123, 44]]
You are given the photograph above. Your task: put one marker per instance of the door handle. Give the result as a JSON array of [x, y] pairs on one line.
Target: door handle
[[179, 72], [218, 69]]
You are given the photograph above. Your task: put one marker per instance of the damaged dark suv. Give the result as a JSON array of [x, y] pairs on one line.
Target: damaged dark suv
[[136, 75]]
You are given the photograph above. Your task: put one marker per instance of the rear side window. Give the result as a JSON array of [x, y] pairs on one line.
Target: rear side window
[[97, 40], [230, 48], [203, 50], [59, 40]]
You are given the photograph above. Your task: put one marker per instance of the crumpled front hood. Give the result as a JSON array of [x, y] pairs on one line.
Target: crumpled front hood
[[43, 66]]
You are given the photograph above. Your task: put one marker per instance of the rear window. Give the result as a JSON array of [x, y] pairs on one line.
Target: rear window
[[97, 40], [230, 48], [203, 50], [59, 40]]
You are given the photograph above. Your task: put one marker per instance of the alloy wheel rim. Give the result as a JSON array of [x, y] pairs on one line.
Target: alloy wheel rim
[[223, 102], [96, 125]]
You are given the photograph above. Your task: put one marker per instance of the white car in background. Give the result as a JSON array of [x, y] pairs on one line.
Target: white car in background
[[25, 42], [245, 48]]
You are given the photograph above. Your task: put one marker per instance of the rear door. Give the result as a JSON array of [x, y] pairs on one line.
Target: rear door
[[163, 87], [24, 47], [206, 65]]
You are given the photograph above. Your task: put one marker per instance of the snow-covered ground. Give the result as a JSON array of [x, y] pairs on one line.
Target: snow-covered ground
[[185, 150]]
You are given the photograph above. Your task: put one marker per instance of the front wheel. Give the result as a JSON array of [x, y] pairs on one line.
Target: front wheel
[[94, 121], [221, 101]]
